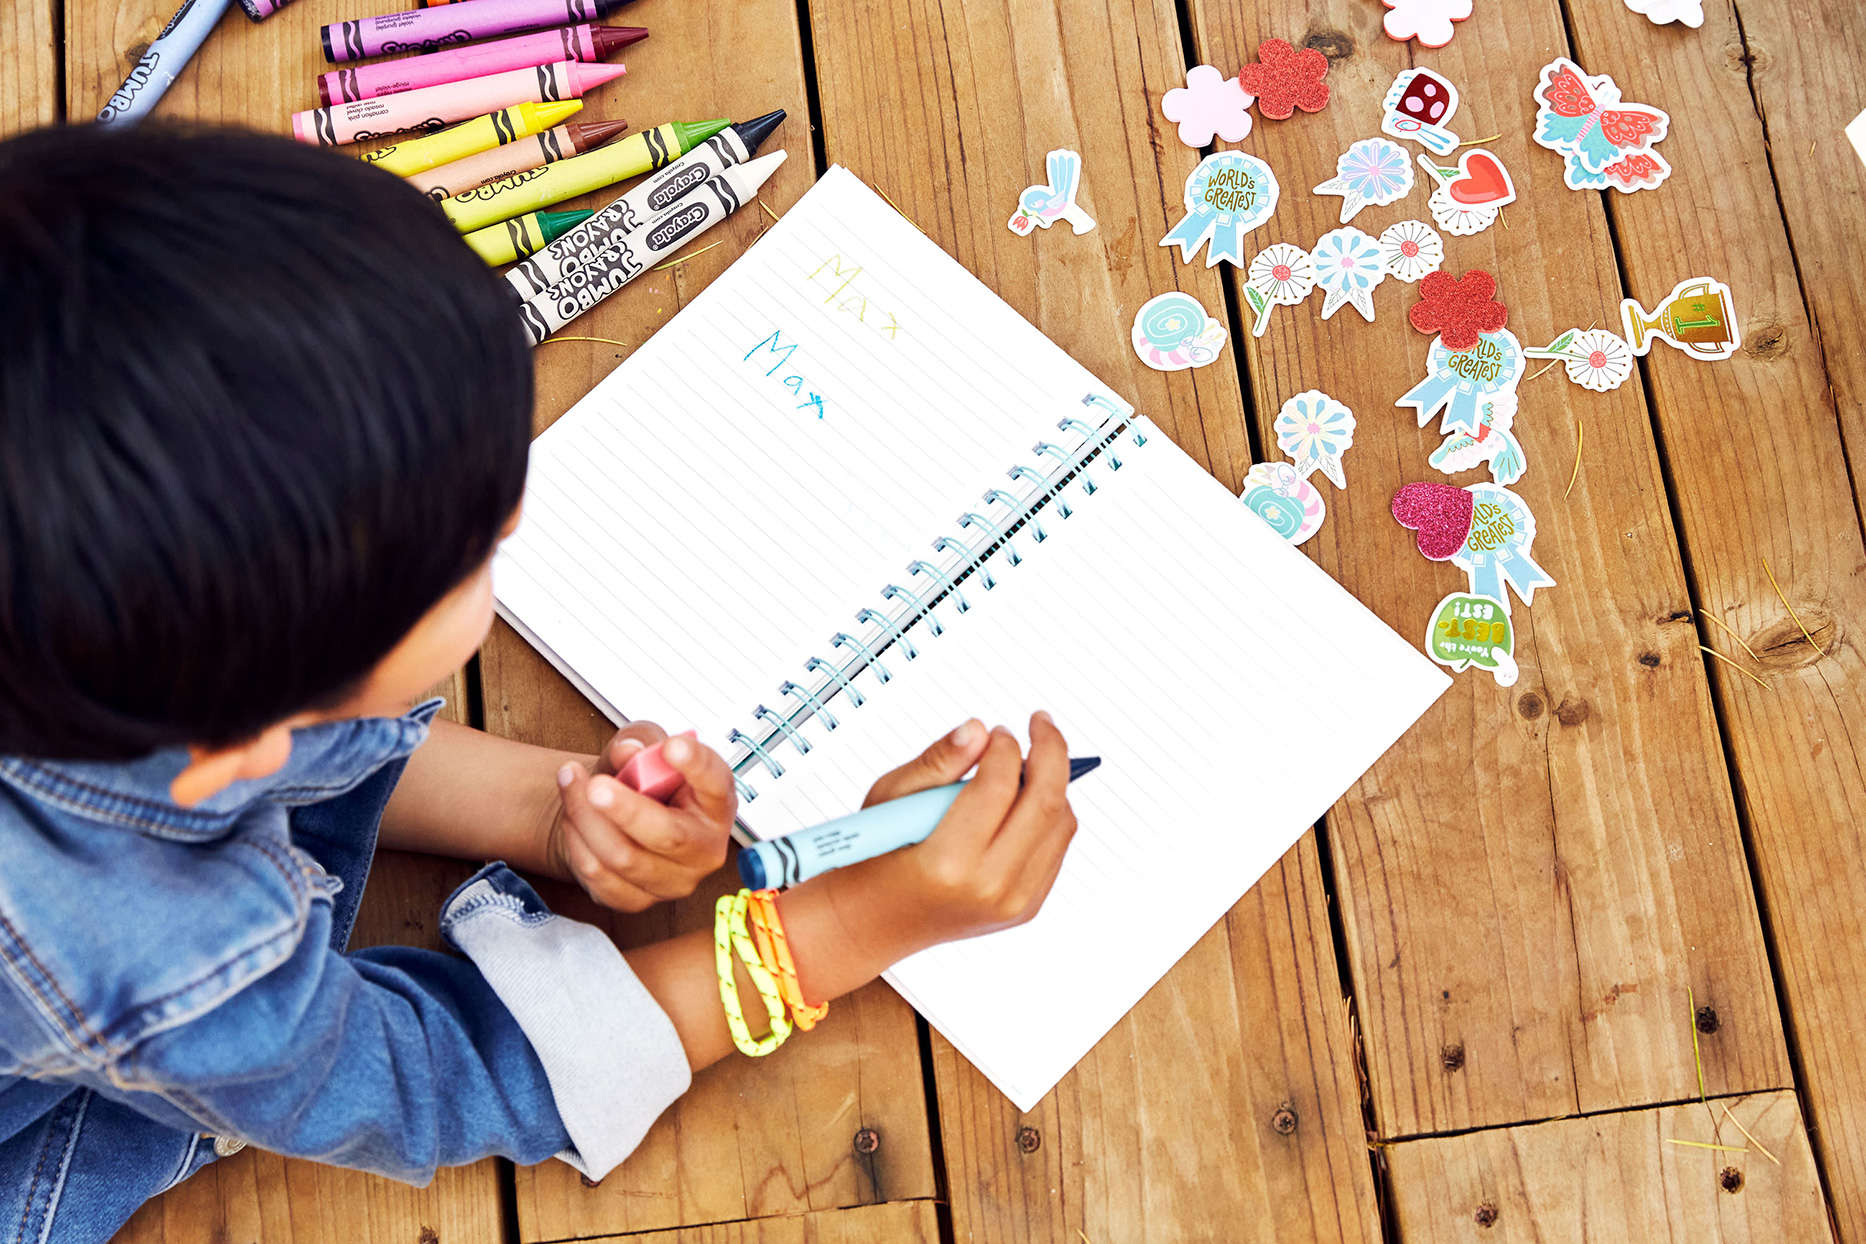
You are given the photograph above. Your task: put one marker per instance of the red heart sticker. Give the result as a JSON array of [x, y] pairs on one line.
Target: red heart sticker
[[1484, 181], [1440, 513]]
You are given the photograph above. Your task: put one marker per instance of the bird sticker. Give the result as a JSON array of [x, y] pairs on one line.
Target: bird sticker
[[1045, 205]]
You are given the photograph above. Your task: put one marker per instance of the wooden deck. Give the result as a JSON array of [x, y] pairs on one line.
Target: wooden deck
[[1463, 1009]]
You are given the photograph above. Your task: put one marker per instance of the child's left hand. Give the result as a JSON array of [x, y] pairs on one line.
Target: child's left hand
[[628, 851]]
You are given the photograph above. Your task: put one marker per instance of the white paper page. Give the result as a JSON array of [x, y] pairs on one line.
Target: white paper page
[[693, 531], [1233, 691]]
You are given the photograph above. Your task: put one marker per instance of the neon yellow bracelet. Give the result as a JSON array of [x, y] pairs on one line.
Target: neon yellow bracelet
[[730, 933]]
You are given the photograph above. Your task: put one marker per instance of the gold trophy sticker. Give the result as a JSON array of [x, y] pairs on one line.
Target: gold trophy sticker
[[1699, 318]]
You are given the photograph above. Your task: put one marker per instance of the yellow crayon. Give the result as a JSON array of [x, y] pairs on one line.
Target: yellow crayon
[[553, 183], [511, 240], [417, 155]]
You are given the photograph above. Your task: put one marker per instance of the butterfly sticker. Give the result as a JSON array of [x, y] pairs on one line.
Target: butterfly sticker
[[1643, 170], [1585, 115]]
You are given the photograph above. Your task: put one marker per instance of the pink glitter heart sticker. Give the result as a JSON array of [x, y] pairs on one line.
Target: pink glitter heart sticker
[[1440, 513]]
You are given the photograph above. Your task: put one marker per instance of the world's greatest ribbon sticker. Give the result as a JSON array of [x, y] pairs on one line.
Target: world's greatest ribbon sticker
[[1468, 630], [1227, 196], [1459, 381], [1487, 532]]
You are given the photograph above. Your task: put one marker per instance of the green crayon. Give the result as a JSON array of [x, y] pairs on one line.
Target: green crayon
[[553, 183], [511, 240]]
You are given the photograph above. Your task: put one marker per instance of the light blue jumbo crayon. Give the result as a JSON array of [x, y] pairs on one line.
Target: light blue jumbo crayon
[[164, 61], [864, 835]]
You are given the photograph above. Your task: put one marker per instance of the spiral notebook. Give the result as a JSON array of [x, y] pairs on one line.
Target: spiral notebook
[[848, 498]]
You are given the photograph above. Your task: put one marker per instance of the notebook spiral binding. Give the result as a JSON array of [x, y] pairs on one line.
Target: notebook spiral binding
[[1003, 518]]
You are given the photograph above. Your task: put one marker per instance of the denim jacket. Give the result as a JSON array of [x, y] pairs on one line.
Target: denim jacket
[[174, 976]]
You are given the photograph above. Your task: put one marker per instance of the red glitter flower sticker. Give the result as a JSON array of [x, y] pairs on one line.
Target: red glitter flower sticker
[[1458, 308], [1284, 80]]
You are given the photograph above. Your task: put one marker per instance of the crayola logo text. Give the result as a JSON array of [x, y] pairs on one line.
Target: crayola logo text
[[684, 221], [670, 192]]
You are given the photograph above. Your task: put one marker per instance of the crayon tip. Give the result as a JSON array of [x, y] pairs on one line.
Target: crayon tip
[[754, 173], [541, 117], [755, 131], [589, 135], [1079, 765], [323, 89], [693, 133], [554, 225], [586, 77], [607, 39]]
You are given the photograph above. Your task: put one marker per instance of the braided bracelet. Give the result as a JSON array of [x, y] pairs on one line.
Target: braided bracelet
[[729, 934], [774, 949]]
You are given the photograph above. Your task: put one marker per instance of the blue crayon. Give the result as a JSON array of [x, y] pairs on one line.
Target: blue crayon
[[862, 836], [164, 61]]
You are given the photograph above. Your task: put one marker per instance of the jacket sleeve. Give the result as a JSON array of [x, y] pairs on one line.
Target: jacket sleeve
[[399, 1061]]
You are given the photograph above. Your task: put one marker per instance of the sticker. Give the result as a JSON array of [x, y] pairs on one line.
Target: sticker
[[1227, 196], [1487, 532], [1347, 265], [1470, 195], [1458, 308], [1411, 249], [1293, 507], [1418, 105], [1208, 104], [1283, 80], [1699, 318], [1459, 381], [1372, 172], [1172, 332], [1491, 444], [1315, 430], [1469, 630], [1428, 21], [1594, 358], [1585, 115], [1690, 12], [1856, 134], [1643, 170], [1281, 275], [1440, 513], [1045, 205]]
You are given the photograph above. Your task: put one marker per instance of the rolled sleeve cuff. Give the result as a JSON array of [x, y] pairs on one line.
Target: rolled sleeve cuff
[[610, 1053]]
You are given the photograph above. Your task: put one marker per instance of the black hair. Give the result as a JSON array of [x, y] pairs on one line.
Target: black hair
[[260, 409]]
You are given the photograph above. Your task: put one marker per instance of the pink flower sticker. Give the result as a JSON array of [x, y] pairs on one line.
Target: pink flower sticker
[[1428, 21], [1209, 103]]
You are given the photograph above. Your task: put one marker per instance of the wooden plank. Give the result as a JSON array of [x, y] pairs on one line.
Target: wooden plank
[[897, 1222], [1756, 464], [1615, 1177], [1172, 1122], [30, 94], [1533, 879]]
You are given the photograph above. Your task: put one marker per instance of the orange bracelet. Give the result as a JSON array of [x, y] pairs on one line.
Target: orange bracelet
[[774, 950]]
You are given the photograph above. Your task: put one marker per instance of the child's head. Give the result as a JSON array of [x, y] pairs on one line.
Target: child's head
[[263, 418]]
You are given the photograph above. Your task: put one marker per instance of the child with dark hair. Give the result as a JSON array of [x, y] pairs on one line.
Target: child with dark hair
[[263, 420]]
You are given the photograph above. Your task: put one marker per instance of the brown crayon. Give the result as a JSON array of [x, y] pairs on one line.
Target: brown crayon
[[572, 138]]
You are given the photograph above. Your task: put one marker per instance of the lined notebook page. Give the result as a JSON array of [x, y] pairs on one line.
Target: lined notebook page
[[724, 502], [1232, 689]]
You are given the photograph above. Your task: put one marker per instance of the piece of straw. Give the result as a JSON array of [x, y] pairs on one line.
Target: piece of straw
[[903, 215], [1580, 438], [1789, 607], [675, 263], [1746, 1136], [605, 340], [1745, 673], [1733, 635], [773, 215], [1479, 141], [1548, 368], [1697, 1057], [1699, 1144]]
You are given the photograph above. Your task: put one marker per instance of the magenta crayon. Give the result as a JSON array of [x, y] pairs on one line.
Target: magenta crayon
[[433, 107], [429, 30], [584, 43], [575, 138]]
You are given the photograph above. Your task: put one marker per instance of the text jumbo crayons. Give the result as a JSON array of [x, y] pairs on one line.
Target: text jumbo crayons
[[541, 187], [480, 134], [647, 199], [158, 67], [429, 30], [511, 240], [547, 148], [411, 73], [633, 253], [432, 107]]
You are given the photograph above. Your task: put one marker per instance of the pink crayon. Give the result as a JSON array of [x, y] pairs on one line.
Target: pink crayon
[[429, 30], [433, 107], [582, 43], [648, 771]]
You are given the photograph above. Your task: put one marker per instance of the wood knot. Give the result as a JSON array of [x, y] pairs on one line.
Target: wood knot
[[1767, 343], [1731, 1180], [1572, 712], [1529, 706], [1650, 660], [1486, 1215], [1783, 644], [867, 1140], [1452, 1056], [1330, 43], [428, 1236], [1029, 1140], [1707, 1020], [1283, 1122]]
